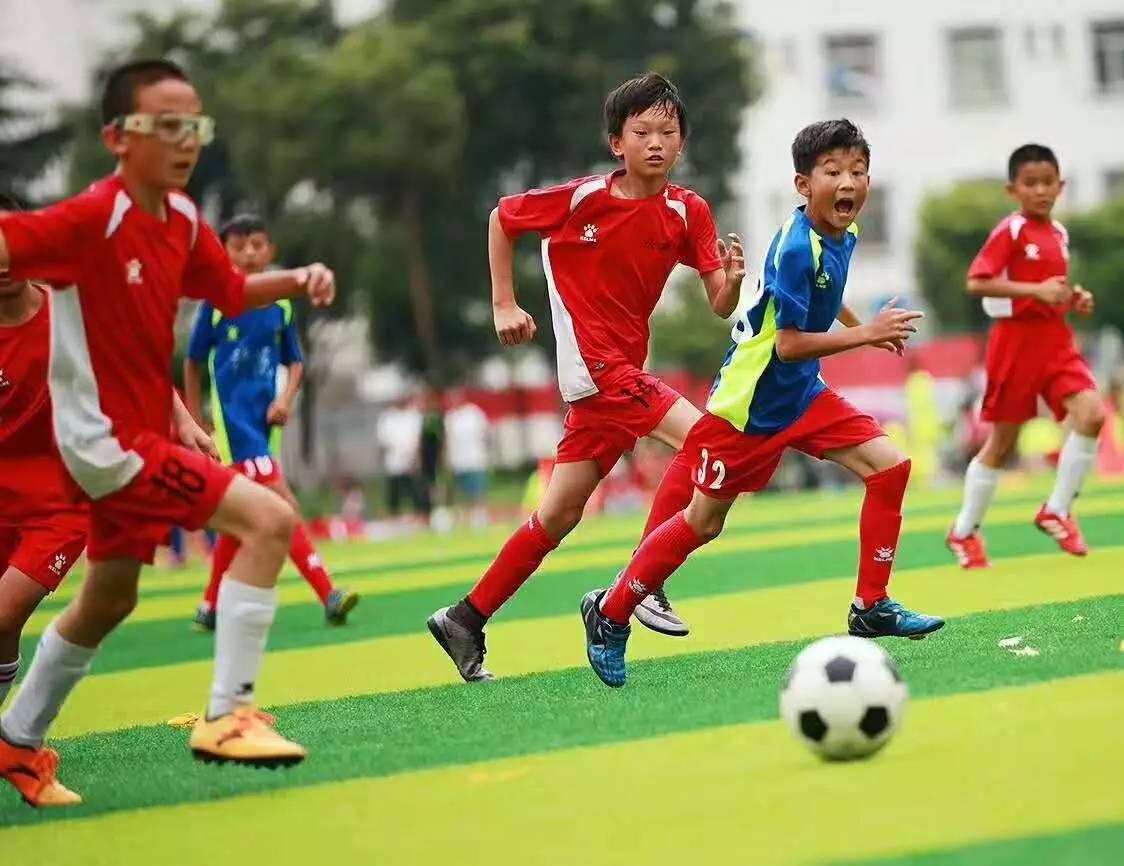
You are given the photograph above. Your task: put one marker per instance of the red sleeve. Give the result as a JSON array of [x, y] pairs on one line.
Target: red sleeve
[[538, 210], [993, 257], [52, 244], [700, 248], [211, 277]]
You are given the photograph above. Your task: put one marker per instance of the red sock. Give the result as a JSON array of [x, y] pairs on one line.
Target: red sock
[[309, 564], [672, 496], [658, 556], [221, 557], [880, 525], [517, 560]]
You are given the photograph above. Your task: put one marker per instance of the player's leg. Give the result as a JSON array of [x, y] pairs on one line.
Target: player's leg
[[460, 629], [338, 603], [1085, 409], [980, 481], [19, 597], [221, 557], [884, 470]]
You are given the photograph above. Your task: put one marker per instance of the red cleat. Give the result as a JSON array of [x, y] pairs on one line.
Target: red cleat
[[969, 550], [1064, 530], [32, 773]]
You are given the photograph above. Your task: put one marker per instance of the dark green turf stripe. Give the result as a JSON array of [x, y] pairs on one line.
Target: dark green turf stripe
[[1092, 846], [619, 541], [383, 734], [163, 642]]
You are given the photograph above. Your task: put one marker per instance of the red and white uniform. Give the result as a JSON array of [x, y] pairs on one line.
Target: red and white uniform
[[42, 529], [119, 273], [606, 261], [1030, 351]]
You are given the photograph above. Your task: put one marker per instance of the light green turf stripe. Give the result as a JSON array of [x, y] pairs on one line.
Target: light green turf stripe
[[391, 581], [983, 766], [149, 695]]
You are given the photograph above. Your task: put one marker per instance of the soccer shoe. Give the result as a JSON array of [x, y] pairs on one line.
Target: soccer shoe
[[887, 618], [32, 773], [605, 641], [463, 645], [1063, 529], [655, 612], [969, 549], [204, 618], [245, 736], [339, 604]]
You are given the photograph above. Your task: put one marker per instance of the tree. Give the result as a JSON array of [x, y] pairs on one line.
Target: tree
[[1096, 241], [28, 144]]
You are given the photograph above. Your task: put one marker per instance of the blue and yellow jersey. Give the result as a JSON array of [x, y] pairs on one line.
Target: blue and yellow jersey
[[243, 355], [802, 288]]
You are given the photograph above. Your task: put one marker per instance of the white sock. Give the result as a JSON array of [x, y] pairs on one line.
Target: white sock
[[8, 672], [57, 668], [1078, 456], [979, 489], [244, 615]]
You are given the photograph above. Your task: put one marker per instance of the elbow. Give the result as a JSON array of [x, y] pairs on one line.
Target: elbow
[[975, 287], [784, 349]]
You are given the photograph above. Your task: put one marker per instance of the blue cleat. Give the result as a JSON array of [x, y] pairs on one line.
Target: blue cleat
[[605, 641], [887, 618]]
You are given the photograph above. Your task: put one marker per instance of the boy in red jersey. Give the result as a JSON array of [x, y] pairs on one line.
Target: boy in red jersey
[[1021, 274], [609, 244], [123, 253]]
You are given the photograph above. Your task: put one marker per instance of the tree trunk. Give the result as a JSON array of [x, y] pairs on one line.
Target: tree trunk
[[421, 289]]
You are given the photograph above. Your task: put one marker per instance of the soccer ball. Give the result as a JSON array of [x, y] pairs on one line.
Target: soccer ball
[[843, 698]]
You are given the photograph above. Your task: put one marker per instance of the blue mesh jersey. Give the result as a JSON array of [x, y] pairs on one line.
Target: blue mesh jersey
[[802, 288], [243, 355]]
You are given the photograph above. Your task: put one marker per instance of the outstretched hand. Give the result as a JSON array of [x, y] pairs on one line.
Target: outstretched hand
[[892, 327], [732, 258]]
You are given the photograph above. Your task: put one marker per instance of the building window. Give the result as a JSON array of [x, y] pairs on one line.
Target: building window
[[852, 70], [1108, 55], [874, 219], [977, 73], [1114, 183]]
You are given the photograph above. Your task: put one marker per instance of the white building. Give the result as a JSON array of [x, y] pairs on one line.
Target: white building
[[944, 91]]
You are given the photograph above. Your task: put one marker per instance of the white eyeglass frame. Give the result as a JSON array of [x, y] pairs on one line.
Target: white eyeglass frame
[[200, 126]]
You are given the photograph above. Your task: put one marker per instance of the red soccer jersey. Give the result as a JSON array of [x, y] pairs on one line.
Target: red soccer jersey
[[1024, 251], [121, 273], [606, 261], [32, 477]]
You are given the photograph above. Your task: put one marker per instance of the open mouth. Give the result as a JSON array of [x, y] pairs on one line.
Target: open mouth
[[845, 207], [655, 160], [182, 165]]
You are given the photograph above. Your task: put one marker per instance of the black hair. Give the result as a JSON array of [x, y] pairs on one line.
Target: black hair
[[243, 224], [1029, 153], [816, 139], [119, 97], [637, 95], [9, 201]]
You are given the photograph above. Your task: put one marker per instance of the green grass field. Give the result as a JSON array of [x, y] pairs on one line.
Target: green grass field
[[1002, 759]]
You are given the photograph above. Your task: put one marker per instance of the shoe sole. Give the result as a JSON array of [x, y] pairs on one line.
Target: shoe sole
[[921, 635], [276, 763], [340, 616], [656, 626], [1059, 544], [439, 636]]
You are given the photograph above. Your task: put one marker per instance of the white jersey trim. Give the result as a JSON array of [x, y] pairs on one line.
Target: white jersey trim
[[586, 189], [574, 379], [186, 206], [93, 457], [121, 205], [680, 207]]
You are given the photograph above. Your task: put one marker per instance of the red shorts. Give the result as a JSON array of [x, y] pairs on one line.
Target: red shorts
[[727, 461], [630, 404], [44, 548], [176, 487], [263, 470], [1029, 359]]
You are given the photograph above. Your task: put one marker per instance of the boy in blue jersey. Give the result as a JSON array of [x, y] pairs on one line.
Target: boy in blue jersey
[[768, 396], [242, 356]]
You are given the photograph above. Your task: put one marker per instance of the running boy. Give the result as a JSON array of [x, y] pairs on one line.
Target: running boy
[[1021, 274], [768, 396], [242, 355], [124, 252], [608, 245]]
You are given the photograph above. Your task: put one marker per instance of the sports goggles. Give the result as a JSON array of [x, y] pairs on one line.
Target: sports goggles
[[171, 128]]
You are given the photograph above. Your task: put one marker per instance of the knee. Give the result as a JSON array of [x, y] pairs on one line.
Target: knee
[[276, 522], [107, 611], [11, 628], [710, 528], [1090, 420], [561, 518]]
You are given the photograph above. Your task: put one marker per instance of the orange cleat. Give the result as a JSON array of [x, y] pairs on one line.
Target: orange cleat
[[1063, 529], [245, 736], [32, 773], [969, 549]]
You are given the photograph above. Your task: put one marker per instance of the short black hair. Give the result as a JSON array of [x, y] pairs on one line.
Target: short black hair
[[9, 201], [243, 224], [119, 96], [816, 139], [1020, 156], [637, 95]]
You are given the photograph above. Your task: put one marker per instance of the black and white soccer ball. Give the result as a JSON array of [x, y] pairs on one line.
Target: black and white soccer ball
[[843, 698]]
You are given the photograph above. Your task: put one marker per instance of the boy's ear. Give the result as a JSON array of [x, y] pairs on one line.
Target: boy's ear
[[615, 146], [1011, 188], [803, 185]]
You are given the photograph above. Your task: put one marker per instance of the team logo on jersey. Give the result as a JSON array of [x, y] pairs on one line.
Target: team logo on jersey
[[133, 272], [59, 565], [232, 332], [589, 234], [1032, 252], [884, 554], [822, 280]]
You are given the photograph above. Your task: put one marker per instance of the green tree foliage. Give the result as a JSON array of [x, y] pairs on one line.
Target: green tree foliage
[[27, 145], [1096, 240], [687, 335]]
